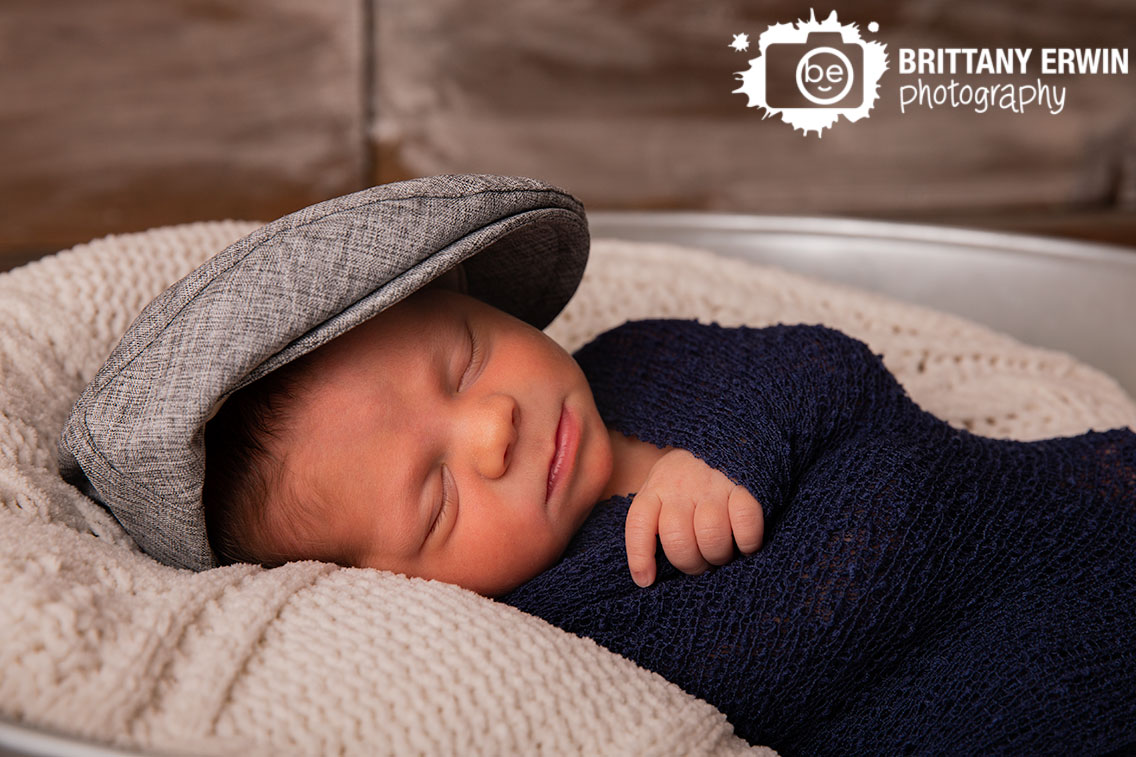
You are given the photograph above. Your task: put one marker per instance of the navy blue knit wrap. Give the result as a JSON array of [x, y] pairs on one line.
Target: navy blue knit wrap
[[920, 590]]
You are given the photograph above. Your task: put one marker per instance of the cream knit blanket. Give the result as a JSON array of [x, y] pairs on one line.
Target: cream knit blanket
[[98, 640]]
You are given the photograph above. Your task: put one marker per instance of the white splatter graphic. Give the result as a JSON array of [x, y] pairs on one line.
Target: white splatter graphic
[[741, 42], [815, 81]]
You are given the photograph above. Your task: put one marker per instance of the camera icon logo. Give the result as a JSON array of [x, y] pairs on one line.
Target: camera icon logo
[[814, 72], [824, 70]]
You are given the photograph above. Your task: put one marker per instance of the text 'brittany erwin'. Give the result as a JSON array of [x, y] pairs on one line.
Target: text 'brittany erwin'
[[1053, 60]]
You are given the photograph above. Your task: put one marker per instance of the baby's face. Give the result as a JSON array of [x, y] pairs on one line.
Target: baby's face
[[428, 442]]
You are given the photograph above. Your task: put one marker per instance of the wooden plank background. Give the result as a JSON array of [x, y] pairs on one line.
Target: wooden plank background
[[120, 115]]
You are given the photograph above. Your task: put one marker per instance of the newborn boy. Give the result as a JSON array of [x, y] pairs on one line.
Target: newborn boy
[[446, 439], [918, 589], [904, 561]]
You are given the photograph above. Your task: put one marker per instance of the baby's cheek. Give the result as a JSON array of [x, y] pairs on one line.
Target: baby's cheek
[[506, 568], [545, 546], [510, 545]]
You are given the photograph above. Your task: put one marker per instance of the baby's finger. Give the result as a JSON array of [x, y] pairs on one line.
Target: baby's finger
[[746, 519], [676, 532], [639, 533], [712, 530]]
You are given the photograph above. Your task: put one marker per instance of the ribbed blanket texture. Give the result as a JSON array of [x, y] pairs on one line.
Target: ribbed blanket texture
[[921, 590]]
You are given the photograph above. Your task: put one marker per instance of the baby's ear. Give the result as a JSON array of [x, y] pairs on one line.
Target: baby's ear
[[453, 280]]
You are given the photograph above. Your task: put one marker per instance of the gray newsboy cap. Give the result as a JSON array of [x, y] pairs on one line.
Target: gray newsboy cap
[[134, 439]]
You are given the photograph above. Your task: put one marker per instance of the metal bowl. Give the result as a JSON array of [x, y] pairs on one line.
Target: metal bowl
[[1076, 297]]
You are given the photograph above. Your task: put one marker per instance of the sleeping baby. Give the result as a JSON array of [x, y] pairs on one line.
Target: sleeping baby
[[478, 435], [761, 516], [918, 589]]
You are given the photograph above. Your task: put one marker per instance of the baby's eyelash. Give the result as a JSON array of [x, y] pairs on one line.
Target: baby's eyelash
[[474, 354], [447, 496]]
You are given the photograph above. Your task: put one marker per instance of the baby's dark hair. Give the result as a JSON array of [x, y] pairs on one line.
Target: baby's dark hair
[[243, 476]]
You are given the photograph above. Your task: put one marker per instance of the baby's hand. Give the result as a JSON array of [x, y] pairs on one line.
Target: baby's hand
[[696, 511]]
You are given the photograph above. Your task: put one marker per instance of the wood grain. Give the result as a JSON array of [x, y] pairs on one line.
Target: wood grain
[[629, 104], [120, 115]]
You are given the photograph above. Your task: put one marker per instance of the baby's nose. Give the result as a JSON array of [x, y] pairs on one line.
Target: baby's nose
[[494, 433]]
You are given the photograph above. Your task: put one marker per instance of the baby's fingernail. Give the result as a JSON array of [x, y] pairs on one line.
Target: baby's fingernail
[[641, 579]]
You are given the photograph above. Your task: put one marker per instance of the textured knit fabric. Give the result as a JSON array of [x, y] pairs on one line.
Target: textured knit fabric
[[920, 589], [98, 640], [134, 439]]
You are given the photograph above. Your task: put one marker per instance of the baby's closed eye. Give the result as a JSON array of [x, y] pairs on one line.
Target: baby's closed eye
[[473, 365], [447, 501]]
